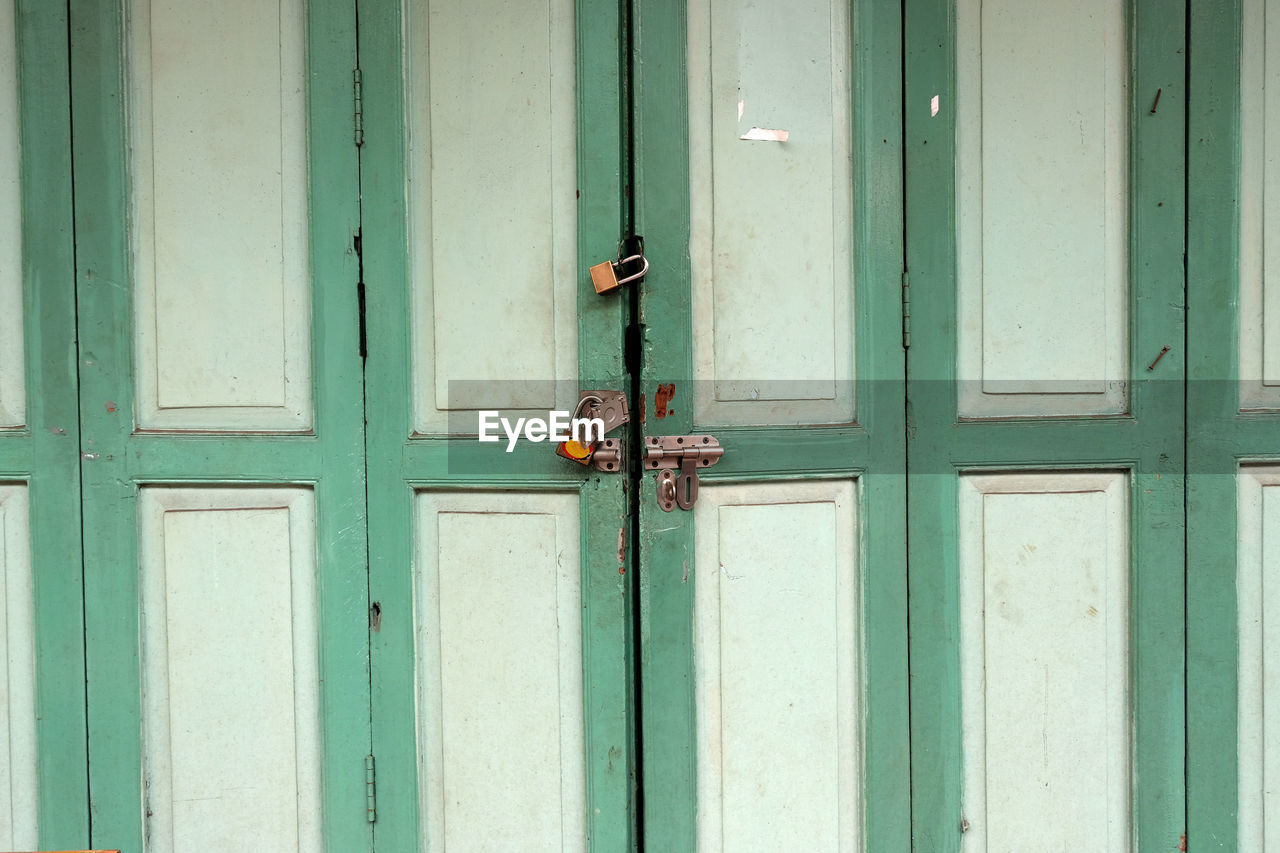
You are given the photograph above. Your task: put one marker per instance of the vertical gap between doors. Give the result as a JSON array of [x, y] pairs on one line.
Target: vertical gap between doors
[[358, 246], [632, 358], [75, 266]]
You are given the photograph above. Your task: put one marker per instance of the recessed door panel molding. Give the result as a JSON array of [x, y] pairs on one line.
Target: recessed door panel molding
[[217, 129], [771, 206], [498, 628], [1042, 207], [1044, 594], [231, 717], [12, 380], [492, 198], [18, 780], [779, 684], [1260, 206], [1258, 585]]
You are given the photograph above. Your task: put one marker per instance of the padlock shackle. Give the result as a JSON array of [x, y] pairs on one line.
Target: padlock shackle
[[643, 269]]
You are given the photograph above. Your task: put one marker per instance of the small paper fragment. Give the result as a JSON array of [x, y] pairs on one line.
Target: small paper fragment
[[742, 107], [764, 134], [933, 106]]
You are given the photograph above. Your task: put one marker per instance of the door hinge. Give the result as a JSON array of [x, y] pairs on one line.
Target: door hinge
[[357, 88], [906, 310], [370, 789], [686, 452]]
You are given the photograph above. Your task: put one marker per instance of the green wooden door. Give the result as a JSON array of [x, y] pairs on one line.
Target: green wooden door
[[43, 800], [771, 618], [216, 214], [1233, 446], [492, 177], [1045, 213]]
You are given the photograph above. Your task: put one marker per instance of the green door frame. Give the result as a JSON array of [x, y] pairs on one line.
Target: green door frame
[[117, 460], [402, 462], [872, 450], [1220, 437], [1148, 442], [45, 453]]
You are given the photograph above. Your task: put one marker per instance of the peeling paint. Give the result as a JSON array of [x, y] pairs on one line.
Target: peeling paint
[[661, 398], [622, 550], [685, 579]]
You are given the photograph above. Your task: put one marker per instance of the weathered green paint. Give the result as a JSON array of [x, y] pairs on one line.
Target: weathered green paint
[[45, 455], [1148, 441], [400, 462], [116, 463], [872, 450], [1219, 437]]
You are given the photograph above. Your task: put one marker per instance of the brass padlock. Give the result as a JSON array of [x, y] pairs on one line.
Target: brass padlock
[[604, 277]]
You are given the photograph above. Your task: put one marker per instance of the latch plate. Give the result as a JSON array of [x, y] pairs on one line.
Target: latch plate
[[605, 454], [688, 453]]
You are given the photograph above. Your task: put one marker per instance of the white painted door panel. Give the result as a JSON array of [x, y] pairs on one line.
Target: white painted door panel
[[231, 721], [1260, 206], [1044, 594], [17, 675], [1043, 266], [12, 382], [492, 207], [771, 197], [776, 640], [498, 616], [1258, 593], [217, 109]]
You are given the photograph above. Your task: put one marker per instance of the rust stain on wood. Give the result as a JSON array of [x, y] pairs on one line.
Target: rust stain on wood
[[661, 398]]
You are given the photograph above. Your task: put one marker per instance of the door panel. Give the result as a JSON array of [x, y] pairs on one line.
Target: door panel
[[500, 670], [1044, 659], [492, 178], [776, 640], [18, 782], [18, 759], [219, 200], [1259, 206], [1108, 311], [13, 403], [1043, 262], [492, 205], [775, 266], [751, 194], [1258, 520], [229, 568], [241, 554]]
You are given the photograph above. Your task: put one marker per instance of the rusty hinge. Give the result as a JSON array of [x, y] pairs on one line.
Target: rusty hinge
[[357, 88], [906, 310], [665, 453], [370, 789]]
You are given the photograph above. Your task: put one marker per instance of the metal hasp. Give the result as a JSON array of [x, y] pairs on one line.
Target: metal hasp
[[665, 453], [604, 454], [609, 406]]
